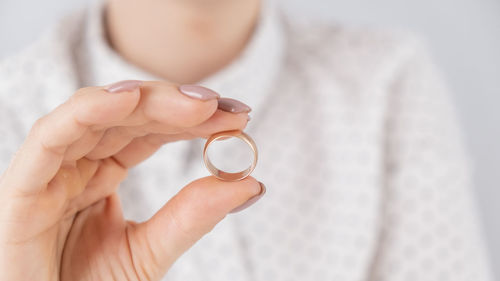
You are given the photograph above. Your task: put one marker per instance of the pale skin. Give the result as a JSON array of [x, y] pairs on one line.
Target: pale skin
[[60, 216]]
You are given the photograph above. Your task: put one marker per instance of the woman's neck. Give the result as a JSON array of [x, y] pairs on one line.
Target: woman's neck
[[182, 41]]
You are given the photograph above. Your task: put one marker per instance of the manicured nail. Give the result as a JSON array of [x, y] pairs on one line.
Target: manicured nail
[[124, 86], [252, 200], [233, 106], [198, 92]]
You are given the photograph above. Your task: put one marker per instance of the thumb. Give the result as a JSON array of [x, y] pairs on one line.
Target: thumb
[[157, 243]]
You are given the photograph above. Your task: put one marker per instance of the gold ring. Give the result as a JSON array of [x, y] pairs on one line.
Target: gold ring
[[225, 175]]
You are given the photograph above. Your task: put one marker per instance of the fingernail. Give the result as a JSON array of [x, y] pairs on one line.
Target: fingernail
[[198, 92], [233, 106], [252, 200], [124, 86]]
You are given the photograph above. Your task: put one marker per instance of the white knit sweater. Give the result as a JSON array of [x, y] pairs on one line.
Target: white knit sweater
[[359, 149]]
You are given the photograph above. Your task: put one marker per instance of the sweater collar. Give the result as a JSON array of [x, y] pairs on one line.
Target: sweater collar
[[247, 78]]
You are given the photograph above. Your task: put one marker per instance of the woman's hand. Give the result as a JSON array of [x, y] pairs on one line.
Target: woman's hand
[[60, 216]]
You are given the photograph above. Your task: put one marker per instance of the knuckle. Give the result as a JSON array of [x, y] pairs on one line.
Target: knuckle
[[38, 125], [77, 100], [38, 129], [184, 228], [39, 132]]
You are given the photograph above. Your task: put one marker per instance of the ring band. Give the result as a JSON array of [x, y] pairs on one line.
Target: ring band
[[225, 175]]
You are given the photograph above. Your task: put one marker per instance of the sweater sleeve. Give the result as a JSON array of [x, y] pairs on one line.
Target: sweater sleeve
[[429, 229]]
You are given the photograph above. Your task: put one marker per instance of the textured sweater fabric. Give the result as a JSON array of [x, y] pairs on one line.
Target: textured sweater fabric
[[360, 151]]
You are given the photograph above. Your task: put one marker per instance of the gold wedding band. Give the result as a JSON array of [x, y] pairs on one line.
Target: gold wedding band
[[225, 175]]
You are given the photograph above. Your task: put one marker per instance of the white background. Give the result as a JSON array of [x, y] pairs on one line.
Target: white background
[[464, 36]]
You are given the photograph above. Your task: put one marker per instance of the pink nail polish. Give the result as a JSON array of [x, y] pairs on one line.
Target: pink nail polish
[[124, 86], [198, 92], [233, 106], [252, 200]]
